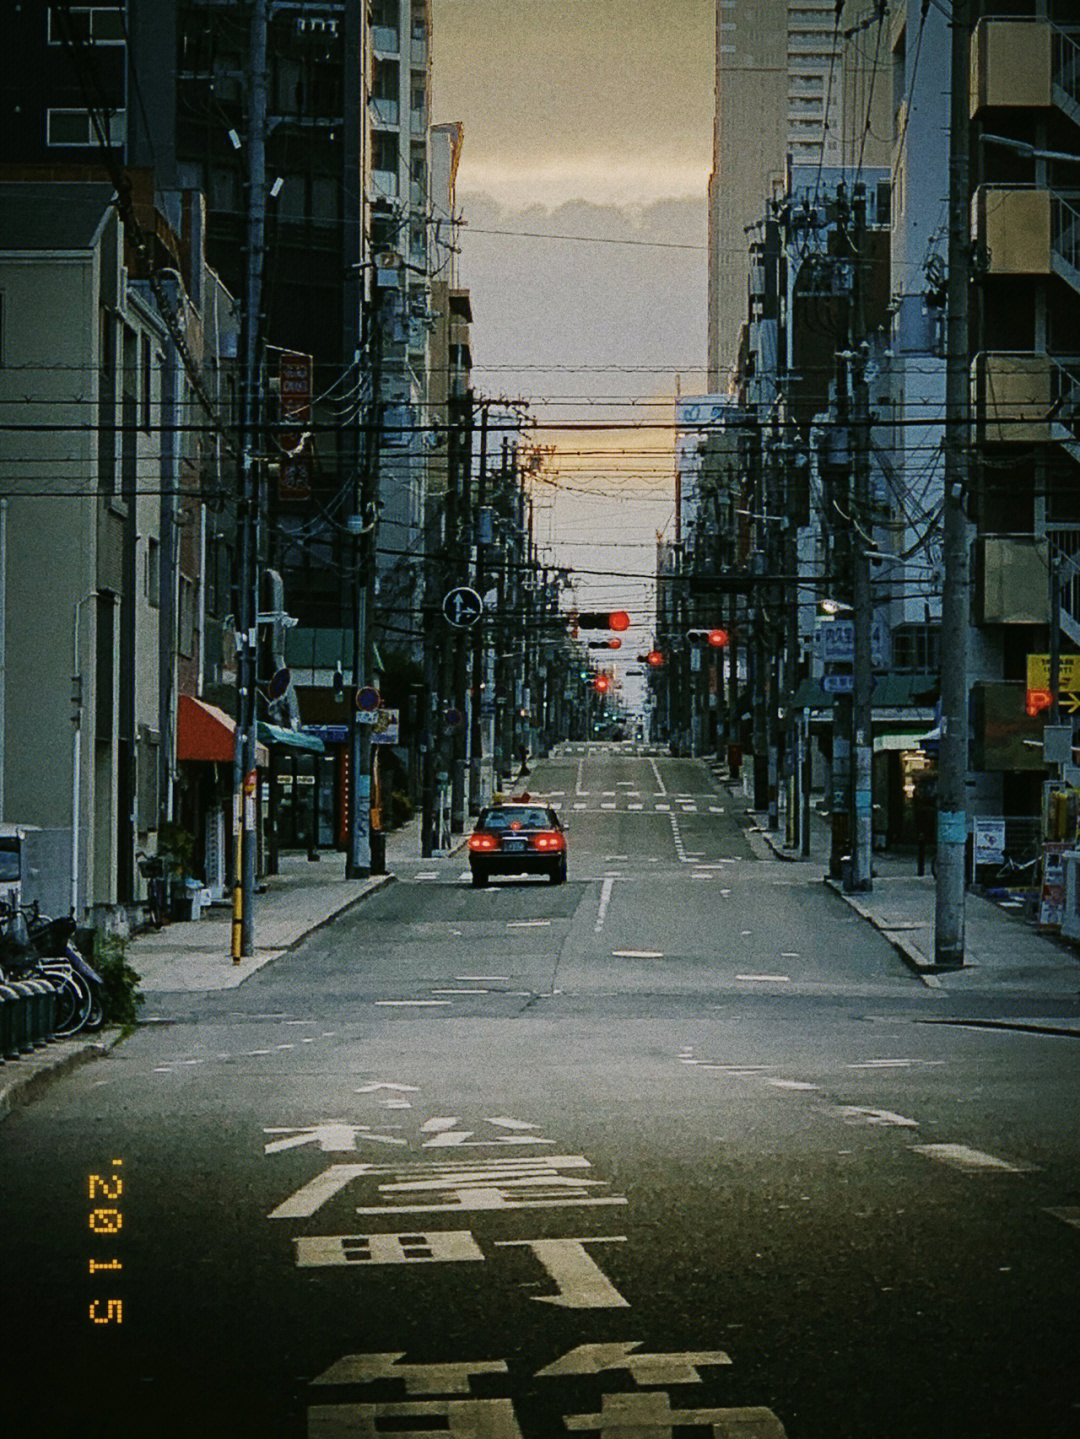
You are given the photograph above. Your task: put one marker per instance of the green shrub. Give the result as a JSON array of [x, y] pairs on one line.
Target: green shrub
[[119, 982]]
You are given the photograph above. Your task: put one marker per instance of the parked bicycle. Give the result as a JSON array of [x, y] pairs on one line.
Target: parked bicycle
[[35, 946], [152, 869]]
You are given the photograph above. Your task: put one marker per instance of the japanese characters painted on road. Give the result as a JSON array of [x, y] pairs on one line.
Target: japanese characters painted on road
[[462, 607], [439, 1394]]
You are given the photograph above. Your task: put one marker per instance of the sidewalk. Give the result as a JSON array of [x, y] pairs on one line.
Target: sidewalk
[[1007, 959], [196, 956]]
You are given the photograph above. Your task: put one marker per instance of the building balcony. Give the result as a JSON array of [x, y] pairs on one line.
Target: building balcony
[[1022, 398], [1025, 231], [1024, 64], [384, 111], [1011, 574]]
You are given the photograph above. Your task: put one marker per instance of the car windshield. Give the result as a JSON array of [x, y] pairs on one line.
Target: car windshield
[[9, 859], [525, 817]]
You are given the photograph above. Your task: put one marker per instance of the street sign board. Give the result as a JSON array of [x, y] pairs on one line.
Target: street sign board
[[838, 684], [387, 727], [462, 607], [367, 699], [835, 640], [1038, 672]]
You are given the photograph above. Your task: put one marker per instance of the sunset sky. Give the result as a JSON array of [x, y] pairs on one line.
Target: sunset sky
[[586, 118]]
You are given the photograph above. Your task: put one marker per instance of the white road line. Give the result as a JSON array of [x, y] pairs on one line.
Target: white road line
[[428, 874], [878, 1116], [662, 806], [635, 806], [1068, 1215], [580, 775], [607, 804], [766, 978], [637, 953], [461, 991], [659, 780], [605, 900], [790, 1084], [961, 1157], [580, 804], [716, 809], [410, 1003], [527, 923], [481, 978]]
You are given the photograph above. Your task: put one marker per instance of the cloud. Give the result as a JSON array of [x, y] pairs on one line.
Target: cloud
[[599, 179]]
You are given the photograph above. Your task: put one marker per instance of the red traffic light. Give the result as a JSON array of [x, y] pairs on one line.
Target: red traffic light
[[718, 638], [601, 684], [618, 620], [614, 644], [655, 658]]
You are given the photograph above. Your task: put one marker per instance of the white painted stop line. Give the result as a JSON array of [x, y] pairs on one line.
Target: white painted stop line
[[766, 978], [637, 953]]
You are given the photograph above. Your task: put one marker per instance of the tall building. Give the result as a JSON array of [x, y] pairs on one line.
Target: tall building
[[795, 81], [1025, 473]]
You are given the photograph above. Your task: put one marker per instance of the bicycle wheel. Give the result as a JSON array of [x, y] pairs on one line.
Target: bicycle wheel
[[67, 1004], [96, 1018], [80, 990]]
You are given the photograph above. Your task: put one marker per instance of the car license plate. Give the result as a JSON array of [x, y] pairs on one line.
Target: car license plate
[[514, 846]]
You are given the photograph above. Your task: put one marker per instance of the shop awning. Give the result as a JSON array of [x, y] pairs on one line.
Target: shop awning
[[207, 735], [277, 737]]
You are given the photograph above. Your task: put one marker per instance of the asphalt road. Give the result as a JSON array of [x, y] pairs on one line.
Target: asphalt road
[[678, 1148]]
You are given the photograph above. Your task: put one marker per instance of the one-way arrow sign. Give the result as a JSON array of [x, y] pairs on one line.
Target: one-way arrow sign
[[462, 607]]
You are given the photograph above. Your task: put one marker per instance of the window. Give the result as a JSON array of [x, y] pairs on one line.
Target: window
[[75, 128], [185, 638], [152, 587], [94, 24], [146, 378], [384, 151]]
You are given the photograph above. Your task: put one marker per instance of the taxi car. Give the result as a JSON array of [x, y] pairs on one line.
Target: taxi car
[[517, 837]]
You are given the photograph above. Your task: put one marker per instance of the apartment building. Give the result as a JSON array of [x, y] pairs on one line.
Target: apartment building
[[1025, 369], [792, 80]]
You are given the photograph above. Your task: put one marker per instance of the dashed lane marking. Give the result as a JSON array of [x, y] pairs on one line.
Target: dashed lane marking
[[411, 1003], [972, 1160], [766, 978], [527, 923], [637, 953]]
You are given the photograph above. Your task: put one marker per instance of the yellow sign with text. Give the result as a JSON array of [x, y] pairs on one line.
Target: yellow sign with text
[[1038, 672]]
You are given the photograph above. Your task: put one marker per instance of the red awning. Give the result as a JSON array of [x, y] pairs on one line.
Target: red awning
[[206, 733]]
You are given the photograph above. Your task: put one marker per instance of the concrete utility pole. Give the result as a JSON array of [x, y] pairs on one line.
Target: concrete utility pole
[[244, 792], [862, 712], [952, 764]]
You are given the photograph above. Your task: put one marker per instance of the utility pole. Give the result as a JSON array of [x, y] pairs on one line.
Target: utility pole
[[862, 714], [482, 626], [244, 778], [952, 764]]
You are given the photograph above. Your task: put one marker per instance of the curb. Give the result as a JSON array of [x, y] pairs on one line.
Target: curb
[[24, 1088], [377, 882]]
